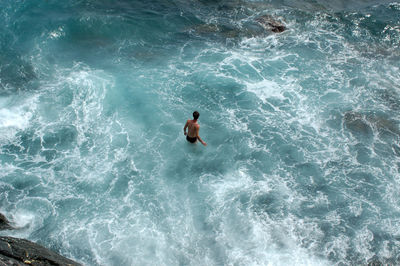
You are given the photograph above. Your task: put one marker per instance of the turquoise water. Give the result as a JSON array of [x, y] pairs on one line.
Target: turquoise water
[[303, 156]]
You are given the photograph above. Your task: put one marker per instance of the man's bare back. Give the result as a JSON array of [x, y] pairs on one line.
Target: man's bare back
[[193, 129]]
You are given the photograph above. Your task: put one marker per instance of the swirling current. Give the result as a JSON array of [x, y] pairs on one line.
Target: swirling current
[[302, 126]]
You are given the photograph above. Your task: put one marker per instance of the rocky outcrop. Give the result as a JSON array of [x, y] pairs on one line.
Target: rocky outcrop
[[260, 26], [357, 123], [4, 223], [271, 24], [366, 123], [15, 251]]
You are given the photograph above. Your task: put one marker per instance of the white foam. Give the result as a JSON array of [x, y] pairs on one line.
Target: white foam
[[15, 116], [255, 238], [235, 122], [23, 219], [362, 242], [266, 89], [55, 34], [396, 5]]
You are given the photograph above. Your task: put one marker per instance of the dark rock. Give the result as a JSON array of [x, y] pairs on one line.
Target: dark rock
[[390, 97], [356, 123], [367, 124], [261, 26], [205, 30], [4, 223], [6, 261], [381, 123], [15, 251], [271, 24]]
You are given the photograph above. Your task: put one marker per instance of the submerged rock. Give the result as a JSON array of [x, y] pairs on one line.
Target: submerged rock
[[271, 24], [4, 223], [366, 124], [355, 122], [391, 97], [15, 251], [206, 28], [261, 26], [382, 124]]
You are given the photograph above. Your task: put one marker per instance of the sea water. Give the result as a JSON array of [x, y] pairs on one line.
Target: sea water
[[303, 157]]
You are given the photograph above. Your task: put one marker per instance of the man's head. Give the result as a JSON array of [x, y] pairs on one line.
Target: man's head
[[196, 115]]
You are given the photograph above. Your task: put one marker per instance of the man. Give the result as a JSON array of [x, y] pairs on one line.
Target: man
[[193, 129]]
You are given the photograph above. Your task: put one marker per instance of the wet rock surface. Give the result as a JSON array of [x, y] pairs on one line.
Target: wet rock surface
[[357, 123], [271, 24], [365, 123], [16, 251], [4, 223]]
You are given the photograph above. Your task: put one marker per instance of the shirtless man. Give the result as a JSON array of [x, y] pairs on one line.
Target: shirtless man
[[193, 129]]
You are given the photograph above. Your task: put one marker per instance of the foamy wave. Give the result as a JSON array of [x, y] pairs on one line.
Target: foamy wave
[[266, 89], [254, 237], [15, 118], [23, 219]]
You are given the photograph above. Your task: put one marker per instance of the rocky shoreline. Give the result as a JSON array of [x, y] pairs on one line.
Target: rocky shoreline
[[17, 251]]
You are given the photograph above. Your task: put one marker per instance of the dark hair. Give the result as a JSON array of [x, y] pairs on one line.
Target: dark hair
[[196, 115]]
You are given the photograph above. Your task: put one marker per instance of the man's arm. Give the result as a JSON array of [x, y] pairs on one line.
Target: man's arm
[[184, 129], [198, 136]]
